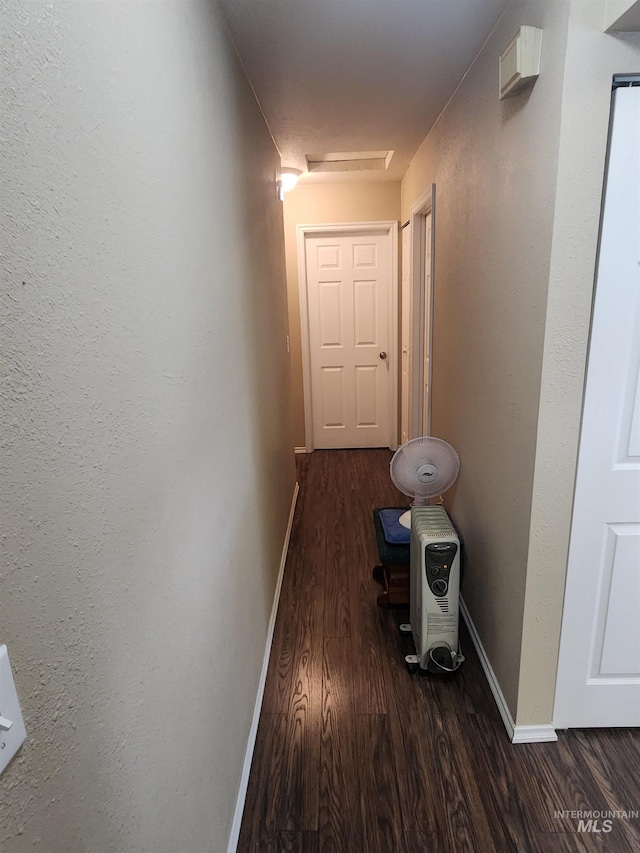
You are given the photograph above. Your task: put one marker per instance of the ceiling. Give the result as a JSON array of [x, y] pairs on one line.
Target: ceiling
[[356, 75]]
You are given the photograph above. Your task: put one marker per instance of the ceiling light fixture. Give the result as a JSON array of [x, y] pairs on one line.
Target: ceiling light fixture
[[287, 181]]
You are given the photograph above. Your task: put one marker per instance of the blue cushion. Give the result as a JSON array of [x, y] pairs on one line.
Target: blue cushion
[[394, 532]]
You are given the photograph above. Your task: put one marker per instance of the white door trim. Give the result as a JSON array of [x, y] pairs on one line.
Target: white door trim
[[344, 229], [405, 337], [420, 209]]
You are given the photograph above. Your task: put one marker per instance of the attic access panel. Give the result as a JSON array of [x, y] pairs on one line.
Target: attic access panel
[[350, 161]]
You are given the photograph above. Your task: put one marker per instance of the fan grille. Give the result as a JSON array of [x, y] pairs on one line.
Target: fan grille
[[424, 467]]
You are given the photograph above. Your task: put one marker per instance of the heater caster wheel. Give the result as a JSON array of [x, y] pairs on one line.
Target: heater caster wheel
[[411, 662], [404, 628]]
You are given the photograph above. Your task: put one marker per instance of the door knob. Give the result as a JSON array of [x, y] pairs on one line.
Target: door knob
[[383, 355]]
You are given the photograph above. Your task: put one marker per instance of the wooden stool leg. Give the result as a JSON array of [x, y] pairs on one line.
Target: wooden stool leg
[[396, 584]]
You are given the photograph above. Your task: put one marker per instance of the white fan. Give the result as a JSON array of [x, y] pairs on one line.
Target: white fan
[[424, 468]]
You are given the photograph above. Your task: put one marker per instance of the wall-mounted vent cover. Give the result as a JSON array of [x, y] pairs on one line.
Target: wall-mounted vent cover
[[520, 62], [350, 161]]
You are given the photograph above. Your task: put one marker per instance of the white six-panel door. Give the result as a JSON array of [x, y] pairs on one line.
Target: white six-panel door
[[349, 277], [599, 665]]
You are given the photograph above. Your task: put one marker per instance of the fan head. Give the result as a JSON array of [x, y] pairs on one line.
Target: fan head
[[424, 467]]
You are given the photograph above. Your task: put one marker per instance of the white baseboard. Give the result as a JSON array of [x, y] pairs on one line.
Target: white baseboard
[[501, 702], [534, 734], [251, 742], [517, 734], [300, 450]]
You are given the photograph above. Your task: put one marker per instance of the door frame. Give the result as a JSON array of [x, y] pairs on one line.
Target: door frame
[[420, 209], [342, 229], [405, 333]]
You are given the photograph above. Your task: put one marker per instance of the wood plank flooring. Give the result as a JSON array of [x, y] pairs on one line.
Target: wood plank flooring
[[355, 755]]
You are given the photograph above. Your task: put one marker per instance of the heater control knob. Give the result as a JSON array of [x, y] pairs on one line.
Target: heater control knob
[[439, 587]]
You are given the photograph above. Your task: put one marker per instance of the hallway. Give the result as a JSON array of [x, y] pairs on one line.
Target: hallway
[[354, 754]]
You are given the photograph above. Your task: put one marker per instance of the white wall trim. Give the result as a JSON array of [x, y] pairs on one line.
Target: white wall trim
[[501, 702], [391, 229], [251, 742], [517, 734], [300, 450], [534, 734], [420, 209]]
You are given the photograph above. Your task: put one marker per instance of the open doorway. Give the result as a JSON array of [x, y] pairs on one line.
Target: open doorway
[[417, 335], [405, 337]]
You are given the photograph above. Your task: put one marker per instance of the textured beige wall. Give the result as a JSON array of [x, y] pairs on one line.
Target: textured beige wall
[[311, 204], [494, 164], [592, 59], [147, 462]]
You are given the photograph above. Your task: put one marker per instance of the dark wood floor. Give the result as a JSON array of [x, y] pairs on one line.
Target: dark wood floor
[[354, 754]]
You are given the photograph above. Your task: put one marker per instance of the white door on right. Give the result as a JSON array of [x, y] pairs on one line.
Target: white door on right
[[599, 664]]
